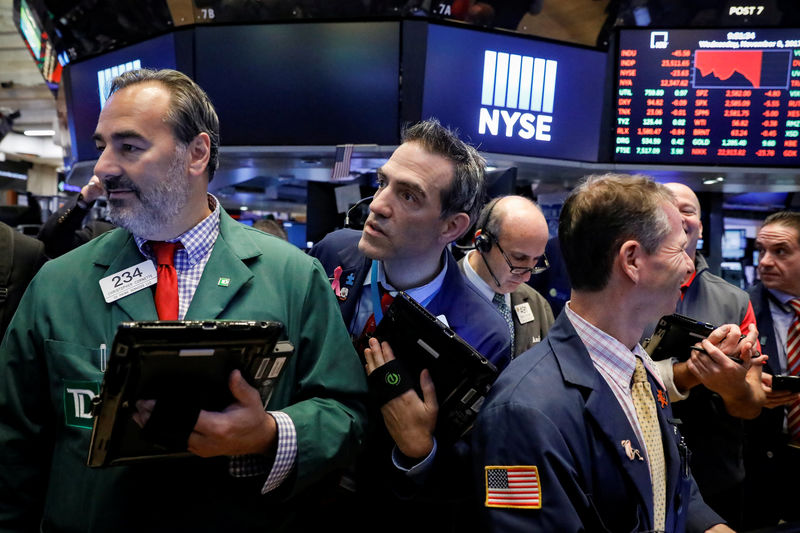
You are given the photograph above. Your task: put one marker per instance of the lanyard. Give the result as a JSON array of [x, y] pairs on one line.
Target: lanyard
[[376, 297]]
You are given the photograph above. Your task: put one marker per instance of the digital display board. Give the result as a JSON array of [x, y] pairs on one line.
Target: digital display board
[[306, 84], [39, 44], [708, 96], [515, 95]]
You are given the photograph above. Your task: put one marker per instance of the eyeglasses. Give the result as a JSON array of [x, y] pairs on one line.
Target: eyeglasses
[[540, 267]]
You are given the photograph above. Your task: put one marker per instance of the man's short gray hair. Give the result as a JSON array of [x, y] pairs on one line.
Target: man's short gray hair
[[190, 112]]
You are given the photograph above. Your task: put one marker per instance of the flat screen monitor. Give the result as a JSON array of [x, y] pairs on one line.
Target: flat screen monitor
[[303, 84], [501, 182], [296, 234], [87, 84], [734, 243], [727, 97], [515, 95]]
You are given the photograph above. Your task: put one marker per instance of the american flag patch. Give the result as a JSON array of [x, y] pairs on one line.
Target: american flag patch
[[513, 486]]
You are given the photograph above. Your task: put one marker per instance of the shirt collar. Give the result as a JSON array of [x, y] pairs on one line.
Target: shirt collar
[[783, 298], [699, 264], [420, 294], [688, 283], [609, 353], [196, 241], [484, 288]]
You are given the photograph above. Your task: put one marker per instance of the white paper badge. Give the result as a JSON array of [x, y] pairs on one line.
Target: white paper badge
[[524, 313], [128, 281]]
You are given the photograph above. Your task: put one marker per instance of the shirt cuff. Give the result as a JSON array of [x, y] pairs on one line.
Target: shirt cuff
[[418, 471], [287, 451], [664, 368], [257, 465]]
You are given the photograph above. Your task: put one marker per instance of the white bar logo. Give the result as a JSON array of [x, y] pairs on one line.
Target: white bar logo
[[518, 82], [105, 76], [512, 81]]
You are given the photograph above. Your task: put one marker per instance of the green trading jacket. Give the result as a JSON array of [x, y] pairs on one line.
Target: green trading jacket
[[53, 345]]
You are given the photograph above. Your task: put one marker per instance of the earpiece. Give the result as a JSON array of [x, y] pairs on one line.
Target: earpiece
[[355, 205], [483, 239]]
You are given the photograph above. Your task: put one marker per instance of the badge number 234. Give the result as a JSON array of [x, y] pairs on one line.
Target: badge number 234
[[126, 277], [128, 281]]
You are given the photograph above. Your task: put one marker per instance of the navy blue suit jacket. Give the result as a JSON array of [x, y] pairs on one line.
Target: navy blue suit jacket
[[551, 409], [765, 433], [467, 312]]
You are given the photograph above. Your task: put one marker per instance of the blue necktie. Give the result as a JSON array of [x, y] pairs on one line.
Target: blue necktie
[[499, 301]]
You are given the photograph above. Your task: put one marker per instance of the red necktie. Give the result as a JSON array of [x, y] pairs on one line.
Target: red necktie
[[793, 366], [167, 287], [362, 343]]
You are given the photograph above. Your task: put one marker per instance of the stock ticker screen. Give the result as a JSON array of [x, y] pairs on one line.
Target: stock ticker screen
[[711, 96]]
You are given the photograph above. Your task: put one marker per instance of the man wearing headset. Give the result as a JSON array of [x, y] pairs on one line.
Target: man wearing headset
[[500, 271]]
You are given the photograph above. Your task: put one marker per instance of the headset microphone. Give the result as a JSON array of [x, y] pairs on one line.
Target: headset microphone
[[489, 268], [358, 203], [483, 239]]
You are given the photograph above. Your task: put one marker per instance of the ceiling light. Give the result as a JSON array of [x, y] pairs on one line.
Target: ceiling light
[[40, 133]]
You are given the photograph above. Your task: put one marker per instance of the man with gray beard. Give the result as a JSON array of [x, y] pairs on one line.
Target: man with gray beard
[[158, 140]]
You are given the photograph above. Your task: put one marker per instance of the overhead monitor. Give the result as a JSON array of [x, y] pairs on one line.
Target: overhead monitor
[[725, 97], [515, 94], [39, 43], [305, 83], [734, 243], [501, 182], [87, 83]]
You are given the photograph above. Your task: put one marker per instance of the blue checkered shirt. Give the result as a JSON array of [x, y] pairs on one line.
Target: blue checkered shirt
[[190, 261], [615, 362]]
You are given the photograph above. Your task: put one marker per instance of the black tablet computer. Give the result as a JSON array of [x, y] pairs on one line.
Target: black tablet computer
[[187, 360], [461, 375], [674, 335]]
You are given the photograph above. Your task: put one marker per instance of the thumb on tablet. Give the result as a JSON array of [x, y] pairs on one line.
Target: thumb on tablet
[[240, 388], [428, 390]]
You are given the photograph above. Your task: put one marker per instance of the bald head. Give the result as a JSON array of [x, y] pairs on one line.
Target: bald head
[[517, 228], [518, 214], [689, 206]]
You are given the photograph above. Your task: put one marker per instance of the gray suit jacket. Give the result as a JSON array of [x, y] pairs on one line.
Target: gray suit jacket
[[531, 333]]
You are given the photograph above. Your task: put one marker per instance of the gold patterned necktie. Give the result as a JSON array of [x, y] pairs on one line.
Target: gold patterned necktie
[[648, 421]]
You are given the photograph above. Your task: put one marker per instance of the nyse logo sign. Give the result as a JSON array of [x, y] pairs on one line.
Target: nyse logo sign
[[517, 96]]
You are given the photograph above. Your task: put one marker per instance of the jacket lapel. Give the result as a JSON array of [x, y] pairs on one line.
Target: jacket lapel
[[601, 406], [669, 438], [354, 264], [226, 272], [119, 252]]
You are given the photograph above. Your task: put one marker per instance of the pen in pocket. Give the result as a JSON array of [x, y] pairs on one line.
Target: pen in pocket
[[103, 357]]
